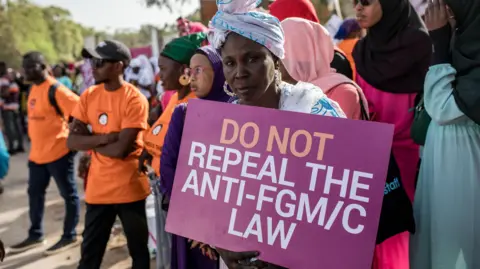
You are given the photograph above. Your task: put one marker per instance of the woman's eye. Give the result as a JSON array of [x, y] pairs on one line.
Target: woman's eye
[[228, 63], [252, 59]]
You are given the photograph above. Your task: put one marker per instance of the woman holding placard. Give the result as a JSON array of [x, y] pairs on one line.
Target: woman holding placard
[[207, 82], [252, 45]]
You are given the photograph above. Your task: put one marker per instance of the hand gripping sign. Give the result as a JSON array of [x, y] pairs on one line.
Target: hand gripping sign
[[304, 190]]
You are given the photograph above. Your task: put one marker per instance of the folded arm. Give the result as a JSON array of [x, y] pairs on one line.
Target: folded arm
[[80, 138], [121, 148]]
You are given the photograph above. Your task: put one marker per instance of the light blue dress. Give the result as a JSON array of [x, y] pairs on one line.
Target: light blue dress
[[447, 200], [4, 158]]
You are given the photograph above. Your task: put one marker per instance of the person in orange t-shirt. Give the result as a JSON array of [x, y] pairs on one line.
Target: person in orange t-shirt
[[49, 155], [117, 113], [155, 136], [173, 63]]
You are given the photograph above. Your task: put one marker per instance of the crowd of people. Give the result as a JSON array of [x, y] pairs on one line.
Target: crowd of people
[[417, 70]]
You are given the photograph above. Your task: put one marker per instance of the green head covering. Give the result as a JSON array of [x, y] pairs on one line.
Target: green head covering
[[183, 48]]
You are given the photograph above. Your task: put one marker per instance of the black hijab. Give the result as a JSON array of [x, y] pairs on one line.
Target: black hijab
[[395, 54], [466, 56]]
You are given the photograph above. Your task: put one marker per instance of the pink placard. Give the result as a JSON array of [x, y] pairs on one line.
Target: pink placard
[[304, 190]]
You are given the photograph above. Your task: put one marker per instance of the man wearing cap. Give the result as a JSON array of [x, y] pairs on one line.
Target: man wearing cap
[[117, 113], [49, 155]]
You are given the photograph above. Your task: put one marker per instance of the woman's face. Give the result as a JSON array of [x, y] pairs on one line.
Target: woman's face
[[369, 12], [201, 75], [170, 72], [249, 68]]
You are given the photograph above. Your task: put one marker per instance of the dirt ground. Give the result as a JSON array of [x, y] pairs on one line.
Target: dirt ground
[[14, 224]]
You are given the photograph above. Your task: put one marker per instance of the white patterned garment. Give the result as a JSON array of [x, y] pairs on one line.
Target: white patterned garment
[[307, 98]]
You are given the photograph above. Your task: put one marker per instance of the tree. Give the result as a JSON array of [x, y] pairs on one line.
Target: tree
[[168, 4]]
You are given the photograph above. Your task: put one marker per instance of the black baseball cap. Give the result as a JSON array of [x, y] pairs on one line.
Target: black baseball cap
[[109, 50]]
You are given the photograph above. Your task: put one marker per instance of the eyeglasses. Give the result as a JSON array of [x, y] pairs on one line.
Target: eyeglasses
[[99, 63], [363, 2], [190, 72]]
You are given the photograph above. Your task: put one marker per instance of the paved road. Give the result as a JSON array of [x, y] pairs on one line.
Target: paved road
[[14, 224]]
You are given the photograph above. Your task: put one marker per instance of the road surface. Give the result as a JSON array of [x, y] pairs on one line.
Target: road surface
[[14, 224]]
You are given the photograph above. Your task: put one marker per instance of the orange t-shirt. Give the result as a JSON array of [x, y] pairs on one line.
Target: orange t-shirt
[[155, 136], [347, 47], [111, 180], [48, 132]]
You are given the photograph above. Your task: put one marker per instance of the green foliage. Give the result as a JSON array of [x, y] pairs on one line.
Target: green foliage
[[25, 26]]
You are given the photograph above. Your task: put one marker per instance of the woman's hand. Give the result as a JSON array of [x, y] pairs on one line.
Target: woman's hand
[[2, 251], [241, 260], [206, 249], [436, 15]]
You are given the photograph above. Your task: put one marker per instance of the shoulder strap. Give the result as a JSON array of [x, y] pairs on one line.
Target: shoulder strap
[[53, 101], [336, 80]]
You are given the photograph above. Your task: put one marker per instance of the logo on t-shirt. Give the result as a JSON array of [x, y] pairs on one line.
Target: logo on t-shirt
[[32, 103], [157, 129], [103, 119]]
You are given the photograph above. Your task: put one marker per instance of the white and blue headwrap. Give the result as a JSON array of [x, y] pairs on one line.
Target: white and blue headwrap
[[239, 16]]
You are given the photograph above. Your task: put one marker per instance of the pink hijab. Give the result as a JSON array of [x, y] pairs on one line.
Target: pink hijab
[[309, 50]]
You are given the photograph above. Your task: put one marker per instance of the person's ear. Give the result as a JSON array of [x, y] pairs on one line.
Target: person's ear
[[120, 67]]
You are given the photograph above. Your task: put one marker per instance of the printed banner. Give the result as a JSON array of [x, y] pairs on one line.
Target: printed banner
[[304, 190]]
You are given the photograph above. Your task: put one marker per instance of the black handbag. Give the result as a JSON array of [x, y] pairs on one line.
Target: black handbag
[[397, 211], [421, 121]]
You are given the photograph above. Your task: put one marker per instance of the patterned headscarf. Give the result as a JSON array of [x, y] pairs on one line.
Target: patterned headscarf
[[238, 16]]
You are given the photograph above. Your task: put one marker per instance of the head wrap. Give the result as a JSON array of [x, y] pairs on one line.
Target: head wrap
[[135, 63], [466, 56], [181, 49], [395, 54], [216, 93], [283, 9], [238, 16], [346, 28]]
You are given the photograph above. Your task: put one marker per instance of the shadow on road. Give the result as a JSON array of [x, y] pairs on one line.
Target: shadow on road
[[14, 263]]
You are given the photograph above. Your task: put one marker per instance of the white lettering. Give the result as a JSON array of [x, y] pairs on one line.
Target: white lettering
[[357, 185], [261, 195], [212, 157], [283, 171], [255, 228], [279, 230], [332, 181], [268, 169], [313, 178], [191, 182], [227, 161], [304, 205], [291, 207], [228, 189], [246, 164], [207, 181], [231, 225], [346, 218], [195, 154]]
